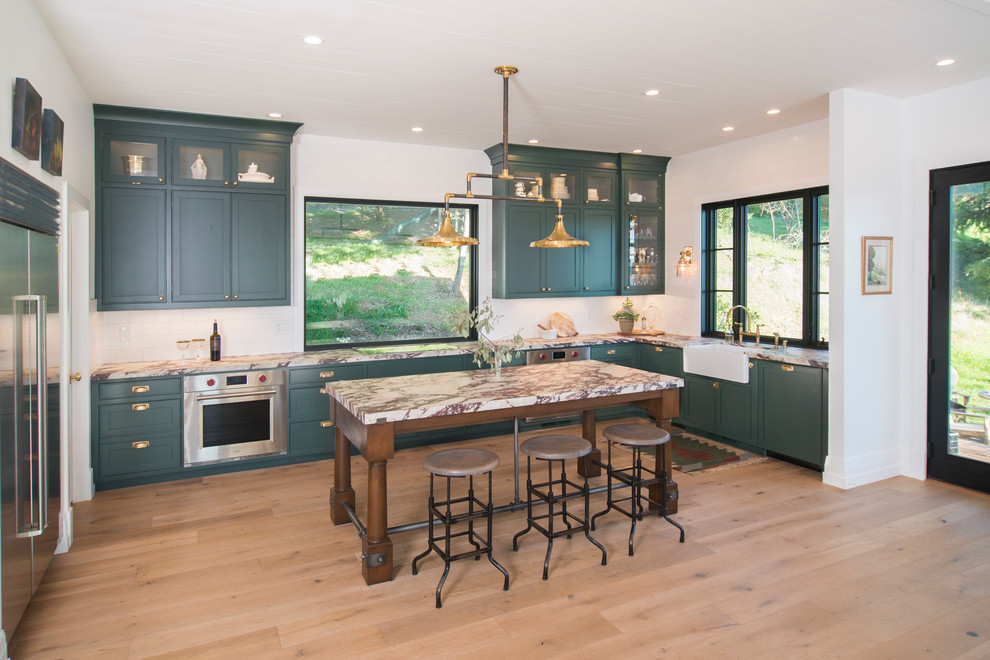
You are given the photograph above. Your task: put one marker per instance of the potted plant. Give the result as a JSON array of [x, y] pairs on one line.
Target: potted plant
[[626, 316], [490, 351]]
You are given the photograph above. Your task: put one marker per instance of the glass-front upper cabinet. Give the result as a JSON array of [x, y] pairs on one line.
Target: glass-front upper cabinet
[[599, 186], [562, 186], [641, 188], [196, 163], [133, 159], [259, 166], [645, 247], [523, 187]]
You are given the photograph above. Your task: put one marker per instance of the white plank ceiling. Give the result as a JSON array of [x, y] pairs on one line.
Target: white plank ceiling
[[387, 65]]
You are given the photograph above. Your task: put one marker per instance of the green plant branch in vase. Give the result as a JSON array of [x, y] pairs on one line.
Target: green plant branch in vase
[[489, 351]]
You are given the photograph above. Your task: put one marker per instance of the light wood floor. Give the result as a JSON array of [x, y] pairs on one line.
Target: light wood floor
[[776, 565]]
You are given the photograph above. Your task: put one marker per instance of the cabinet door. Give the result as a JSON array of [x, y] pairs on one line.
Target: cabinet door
[[200, 246], [734, 411], [667, 360], [523, 267], [560, 265], [698, 399], [132, 246], [642, 253], [791, 411], [132, 159], [599, 271], [200, 163], [259, 166], [260, 249]]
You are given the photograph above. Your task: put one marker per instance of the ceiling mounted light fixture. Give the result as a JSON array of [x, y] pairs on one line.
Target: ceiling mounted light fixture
[[652, 92], [637, 151], [275, 115], [726, 129], [447, 236], [534, 141], [773, 111], [946, 62], [313, 40]]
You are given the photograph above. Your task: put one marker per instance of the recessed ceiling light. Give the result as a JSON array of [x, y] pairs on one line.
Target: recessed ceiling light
[[946, 62], [534, 141], [652, 92], [417, 129], [274, 115], [773, 111], [728, 128], [637, 151], [313, 40]]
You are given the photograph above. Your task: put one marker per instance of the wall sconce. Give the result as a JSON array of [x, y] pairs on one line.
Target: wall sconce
[[684, 263]]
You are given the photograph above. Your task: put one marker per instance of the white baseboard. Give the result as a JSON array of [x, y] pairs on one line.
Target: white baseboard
[[849, 473], [3, 644], [64, 531]]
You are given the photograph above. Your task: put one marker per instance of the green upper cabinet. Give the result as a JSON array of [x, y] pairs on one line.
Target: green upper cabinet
[[642, 235], [204, 221], [589, 186]]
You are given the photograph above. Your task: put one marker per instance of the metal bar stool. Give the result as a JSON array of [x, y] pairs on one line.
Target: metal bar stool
[[455, 463], [551, 448], [637, 477]]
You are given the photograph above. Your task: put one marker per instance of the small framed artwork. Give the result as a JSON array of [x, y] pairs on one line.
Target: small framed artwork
[[877, 262], [51, 143], [26, 134]]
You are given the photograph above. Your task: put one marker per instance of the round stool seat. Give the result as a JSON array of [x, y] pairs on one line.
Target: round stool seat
[[460, 462], [555, 447], [638, 435]]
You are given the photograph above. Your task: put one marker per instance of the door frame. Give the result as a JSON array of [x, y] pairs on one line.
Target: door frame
[[942, 465]]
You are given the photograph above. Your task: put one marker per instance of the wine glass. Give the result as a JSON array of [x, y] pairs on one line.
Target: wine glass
[[199, 345], [182, 345]]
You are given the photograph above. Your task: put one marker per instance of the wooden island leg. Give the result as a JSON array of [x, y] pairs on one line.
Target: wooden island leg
[[587, 467], [663, 410], [376, 546], [342, 493]]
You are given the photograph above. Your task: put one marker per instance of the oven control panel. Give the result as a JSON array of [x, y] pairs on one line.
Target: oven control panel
[[548, 355], [233, 381]]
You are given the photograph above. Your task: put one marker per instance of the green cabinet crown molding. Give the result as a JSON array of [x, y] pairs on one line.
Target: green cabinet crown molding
[[188, 123]]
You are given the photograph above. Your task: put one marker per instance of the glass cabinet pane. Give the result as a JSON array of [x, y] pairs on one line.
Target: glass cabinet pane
[[642, 189], [199, 163], [134, 159], [259, 168], [563, 186], [643, 249], [528, 188], [598, 187]]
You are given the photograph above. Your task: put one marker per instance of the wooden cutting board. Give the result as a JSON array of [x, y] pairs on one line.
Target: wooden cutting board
[[563, 324]]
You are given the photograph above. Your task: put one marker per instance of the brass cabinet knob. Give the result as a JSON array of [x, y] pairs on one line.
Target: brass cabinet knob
[[585, 288], [234, 183], [161, 298], [235, 296], [323, 390], [76, 377], [226, 297], [226, 183], [715, 385], [161, 180]]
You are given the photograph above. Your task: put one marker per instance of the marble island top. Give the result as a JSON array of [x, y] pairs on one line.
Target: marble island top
[[116, 371], [398, 398]]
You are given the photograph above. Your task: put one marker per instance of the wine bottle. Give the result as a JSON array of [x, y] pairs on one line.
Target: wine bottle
[[215, 344]]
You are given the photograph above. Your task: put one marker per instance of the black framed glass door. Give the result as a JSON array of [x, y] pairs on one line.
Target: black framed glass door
[[959, 327]]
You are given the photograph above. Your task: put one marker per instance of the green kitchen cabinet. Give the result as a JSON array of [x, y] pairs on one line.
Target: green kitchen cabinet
[[229, 248], [221, 219], [131, 250], [533, 272], [599, 227], [624, 354], [408, 367], [792, 411], [643, 228], [667, 360], [310, 434], [720, 407]]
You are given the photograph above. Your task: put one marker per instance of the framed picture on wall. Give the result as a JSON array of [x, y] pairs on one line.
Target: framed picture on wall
[[26, 124], [51, 143], [877, 262]]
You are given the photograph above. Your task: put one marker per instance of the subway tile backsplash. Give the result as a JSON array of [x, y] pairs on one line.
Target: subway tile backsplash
[[137, 336]]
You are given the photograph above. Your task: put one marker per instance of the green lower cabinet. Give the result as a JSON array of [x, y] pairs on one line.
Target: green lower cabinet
[[624, 354], [721, 407], [697, 403], [311, 438], [384, 368], [667, 360], [309, 407], [140, 456], [792, 405]]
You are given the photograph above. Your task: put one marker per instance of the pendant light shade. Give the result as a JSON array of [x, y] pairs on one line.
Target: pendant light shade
[[559, 238], [446, 236]]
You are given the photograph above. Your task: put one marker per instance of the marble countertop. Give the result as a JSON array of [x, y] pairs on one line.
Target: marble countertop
[[121, 370], [398, 398]]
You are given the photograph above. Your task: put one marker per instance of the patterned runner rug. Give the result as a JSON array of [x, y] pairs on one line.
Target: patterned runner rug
[[694, 452]]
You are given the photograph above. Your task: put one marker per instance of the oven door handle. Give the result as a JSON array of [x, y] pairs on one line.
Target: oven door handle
[[235, 395]]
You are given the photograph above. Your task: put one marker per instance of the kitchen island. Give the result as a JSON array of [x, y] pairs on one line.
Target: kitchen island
[[369, 412]]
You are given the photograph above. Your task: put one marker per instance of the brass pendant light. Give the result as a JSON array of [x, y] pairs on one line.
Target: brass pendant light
[[447, 236]]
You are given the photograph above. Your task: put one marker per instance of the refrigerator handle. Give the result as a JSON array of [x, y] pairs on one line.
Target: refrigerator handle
[[38, 412]]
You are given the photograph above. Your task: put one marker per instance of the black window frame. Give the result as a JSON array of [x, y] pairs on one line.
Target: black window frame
[[473, 213], [811, 244]]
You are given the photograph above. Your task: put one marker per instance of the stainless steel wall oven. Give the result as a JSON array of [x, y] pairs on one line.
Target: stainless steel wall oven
[[232, 416]]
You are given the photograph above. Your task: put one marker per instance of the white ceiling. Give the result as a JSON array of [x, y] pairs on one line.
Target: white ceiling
[[387, 65]]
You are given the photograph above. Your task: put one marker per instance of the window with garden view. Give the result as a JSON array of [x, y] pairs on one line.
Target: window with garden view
[[771, 255], [368, 283]]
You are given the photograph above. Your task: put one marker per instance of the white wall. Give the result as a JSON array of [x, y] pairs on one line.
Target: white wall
[[789, 159]]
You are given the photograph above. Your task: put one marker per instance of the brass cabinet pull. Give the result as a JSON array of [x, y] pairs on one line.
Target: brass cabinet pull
[[326, 374], [610, 351], [715, 385], [226, 183], [140, 389], [140, 444], [585, 288], [140, 407], [323, 390], [235, 296], [786, 367], [234, 183], [161, 298], [161, 180], [658, 349], [226, 297], [326, 425]]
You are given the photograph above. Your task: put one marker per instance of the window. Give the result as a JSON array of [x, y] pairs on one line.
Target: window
[[771, 255], [368, 283]]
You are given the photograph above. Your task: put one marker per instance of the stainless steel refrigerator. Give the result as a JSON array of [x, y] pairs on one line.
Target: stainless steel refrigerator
[[29, 413]]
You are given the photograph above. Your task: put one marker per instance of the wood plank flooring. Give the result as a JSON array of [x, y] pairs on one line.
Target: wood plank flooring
[[776, 564]]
